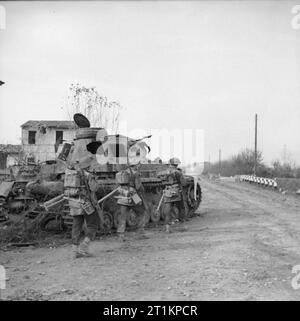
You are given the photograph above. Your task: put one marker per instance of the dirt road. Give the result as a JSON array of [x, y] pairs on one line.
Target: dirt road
[[242, 246]]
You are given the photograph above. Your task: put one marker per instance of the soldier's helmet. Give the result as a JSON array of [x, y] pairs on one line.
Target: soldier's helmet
[[157, 160], [174, 161]]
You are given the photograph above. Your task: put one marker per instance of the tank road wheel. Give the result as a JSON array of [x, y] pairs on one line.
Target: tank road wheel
[[108, 222], [138, 216], [154, 214], [50, 220], [51, 217], [132, 218], [192, 202]]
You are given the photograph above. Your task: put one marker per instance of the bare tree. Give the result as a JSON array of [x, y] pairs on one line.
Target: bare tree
[[97, 108], [244, 161], [241, 163]]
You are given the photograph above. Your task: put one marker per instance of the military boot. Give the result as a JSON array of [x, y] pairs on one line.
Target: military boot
[[75, 251], [84, 248], [168, 228], [121, 237]]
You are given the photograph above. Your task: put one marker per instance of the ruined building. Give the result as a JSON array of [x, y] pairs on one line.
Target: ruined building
[[42, 140], [9, 155]]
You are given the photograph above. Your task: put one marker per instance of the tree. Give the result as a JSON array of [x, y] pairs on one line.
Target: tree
[[97, 108], [244, 161], [239, 164], [283, 169]]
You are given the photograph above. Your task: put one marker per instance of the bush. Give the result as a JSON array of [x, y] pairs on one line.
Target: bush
[[243, 164]]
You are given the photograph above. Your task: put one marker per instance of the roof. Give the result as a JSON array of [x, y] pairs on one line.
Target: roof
[[10, 149], [63, 124]]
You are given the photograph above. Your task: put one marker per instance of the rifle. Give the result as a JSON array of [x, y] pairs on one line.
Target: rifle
[[133, 141], [159, 204]]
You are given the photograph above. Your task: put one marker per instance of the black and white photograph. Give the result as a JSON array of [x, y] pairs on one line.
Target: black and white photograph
[[150, 151]]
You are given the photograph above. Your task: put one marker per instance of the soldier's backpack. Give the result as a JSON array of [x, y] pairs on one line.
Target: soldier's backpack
[[72, 178], [123, 177], [72, 182]]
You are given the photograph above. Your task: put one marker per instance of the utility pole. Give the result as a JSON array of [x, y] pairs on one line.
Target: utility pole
[[255, 146], [219, 162]]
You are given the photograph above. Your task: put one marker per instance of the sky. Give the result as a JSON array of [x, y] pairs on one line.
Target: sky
[[207, 65]]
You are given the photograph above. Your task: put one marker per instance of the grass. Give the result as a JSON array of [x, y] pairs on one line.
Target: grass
[[289, 184]]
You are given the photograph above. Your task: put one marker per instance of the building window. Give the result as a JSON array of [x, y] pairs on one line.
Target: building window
[[59, 137], [31, 137]]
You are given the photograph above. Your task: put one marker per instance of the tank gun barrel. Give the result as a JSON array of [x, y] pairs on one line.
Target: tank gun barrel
[[139, 139]]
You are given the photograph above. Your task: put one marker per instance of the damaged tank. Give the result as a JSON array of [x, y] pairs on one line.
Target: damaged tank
[[28, 186], [108, 157]]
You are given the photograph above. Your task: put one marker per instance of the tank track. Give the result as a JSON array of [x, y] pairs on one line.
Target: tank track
[[153, 192]]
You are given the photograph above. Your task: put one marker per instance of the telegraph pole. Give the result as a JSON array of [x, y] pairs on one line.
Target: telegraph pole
[[219, 162], [255, 146]]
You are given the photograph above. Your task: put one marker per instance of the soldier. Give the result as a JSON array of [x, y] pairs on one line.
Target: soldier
[[132, 196], [80, 187], [174, 193]]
